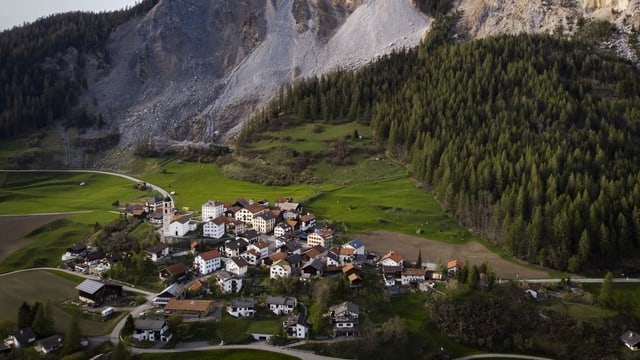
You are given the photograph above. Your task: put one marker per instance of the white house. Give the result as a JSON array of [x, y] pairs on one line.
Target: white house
[[281, 305], [264, 222], [392, 258], [261, 247], [412, 276], [356, 245], [280, 269], [282, 229], [296, 326], [228, 282], [631, 340], [307, 221], [251, 256], [21, 338], [345, 319], [157, 252], [208, 262], [182, 225], [173, 291], [235, 247], [212, 209], [236, 266], [214, 228], [246, 214], [242, 308], [151, 330], [322, 237]]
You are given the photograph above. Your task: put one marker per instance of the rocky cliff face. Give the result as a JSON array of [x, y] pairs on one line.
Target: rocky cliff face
[[192, 70]]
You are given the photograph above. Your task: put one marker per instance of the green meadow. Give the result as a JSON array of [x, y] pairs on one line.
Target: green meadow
[[42, 192], [53, 289]]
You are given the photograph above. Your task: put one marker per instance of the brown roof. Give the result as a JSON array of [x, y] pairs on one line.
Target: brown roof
[[349, 267], [307, 218], [292, 223], [454, 263], [219, 220], [311, 253], [413, 271], [194, 244], [197, 285], [278, 256], [138, 212], [255, 208], [175, 269], [212, 254], [393, 256], [354, 277], [189, 305], [347, 251], [261, 245]]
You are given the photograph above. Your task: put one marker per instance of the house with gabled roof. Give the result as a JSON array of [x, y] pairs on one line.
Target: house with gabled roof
[[307, 222], [94, 291], [392, 258], [269, 260], [345, 319], [212, 209], [242, 308], [228, 283], [283, 229], [235, 247], [412, 276], [314, 252], [189, 307], [357, 246], [322, 237], [261, 247], [453, 266], [182, 225], [295, 260], [280, 269], [208, 262], [280, 305], [49, 344], [346, 255], [173, 291], [291, 247], [158, 252], [176, 272], [236, 265], [313, 268], [332, 258], [251, 256], [151, 330], [249, 235], [22, 337], [76, 251], [215, 228], [264, 222], [296, 326], [246, 214]]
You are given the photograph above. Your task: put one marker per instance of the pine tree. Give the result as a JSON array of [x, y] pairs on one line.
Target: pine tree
[[24, 315], [72, 337], [605, 297], [43, 324], [419, 261]]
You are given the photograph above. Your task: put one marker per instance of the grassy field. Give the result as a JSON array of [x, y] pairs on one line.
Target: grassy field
[[32, 193], [577, 310], [50, 241], [625, 296], [236, 331], [240, 354], [48, 287]]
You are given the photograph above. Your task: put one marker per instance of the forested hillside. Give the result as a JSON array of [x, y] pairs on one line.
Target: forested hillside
[[41, 67], [531, 141]]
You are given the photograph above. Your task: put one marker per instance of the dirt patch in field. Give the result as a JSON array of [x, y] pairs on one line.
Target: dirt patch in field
[[380, 242], [14, 230]]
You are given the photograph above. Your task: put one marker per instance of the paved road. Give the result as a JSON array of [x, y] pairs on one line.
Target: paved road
[[136, 180], [576, 280], [496, 356]]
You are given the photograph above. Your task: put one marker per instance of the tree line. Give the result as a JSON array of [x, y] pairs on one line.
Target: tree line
[[42, 67], [532, 141]]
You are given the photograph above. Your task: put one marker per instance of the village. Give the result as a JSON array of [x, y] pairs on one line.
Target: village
[[229, 239]]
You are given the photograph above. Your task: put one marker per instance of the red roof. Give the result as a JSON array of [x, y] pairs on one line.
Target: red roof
[[393, 256], [454, 264], [206, 256]]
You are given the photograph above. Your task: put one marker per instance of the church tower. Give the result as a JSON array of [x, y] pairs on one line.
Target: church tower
[[167, 215]]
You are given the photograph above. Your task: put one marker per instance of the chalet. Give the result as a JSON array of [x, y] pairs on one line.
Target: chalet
[[261, 247], [175, 272], [21, 338], [236, 266], [392, 258], [345, 319], [282, 229], [153, 204], [307, 222], [412, 276], [173, 291], [212, 209], [346, 255], [280, 269], [351, 268], [158, 252], [135, 209], [356, 245], [242, 308], [182, 225], [264, 222], [332, 258], [49, 344], [215, 228], [288, 215], [314, 252], [296, 326], [289, 206], [198, 287], [281, 305], [355, 280], [235, 247], [322, 237], [453, 266], [283, 200], [251, 256], [249, 235], [631, 340], [246, 214], [391, 274], [151, 330], [95, 292], [189, 307], [228, 283], [208, 262], [313, 268]]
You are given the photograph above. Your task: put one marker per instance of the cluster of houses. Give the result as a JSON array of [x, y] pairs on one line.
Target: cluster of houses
[[26, 337]]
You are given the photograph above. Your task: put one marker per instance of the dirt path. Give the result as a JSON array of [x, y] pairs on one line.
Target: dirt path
[[14, 229], [381, 242]]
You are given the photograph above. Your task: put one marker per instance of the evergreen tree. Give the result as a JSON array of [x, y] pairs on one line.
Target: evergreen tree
[[120, 352], [72, 337], [605, 297], [24, 315], [419, 261], [43, 324]]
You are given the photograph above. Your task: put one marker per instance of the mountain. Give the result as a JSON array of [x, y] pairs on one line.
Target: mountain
[[192, 70]]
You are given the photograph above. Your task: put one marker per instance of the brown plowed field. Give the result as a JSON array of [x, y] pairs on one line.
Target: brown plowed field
[[381, 242], [14, 229]]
